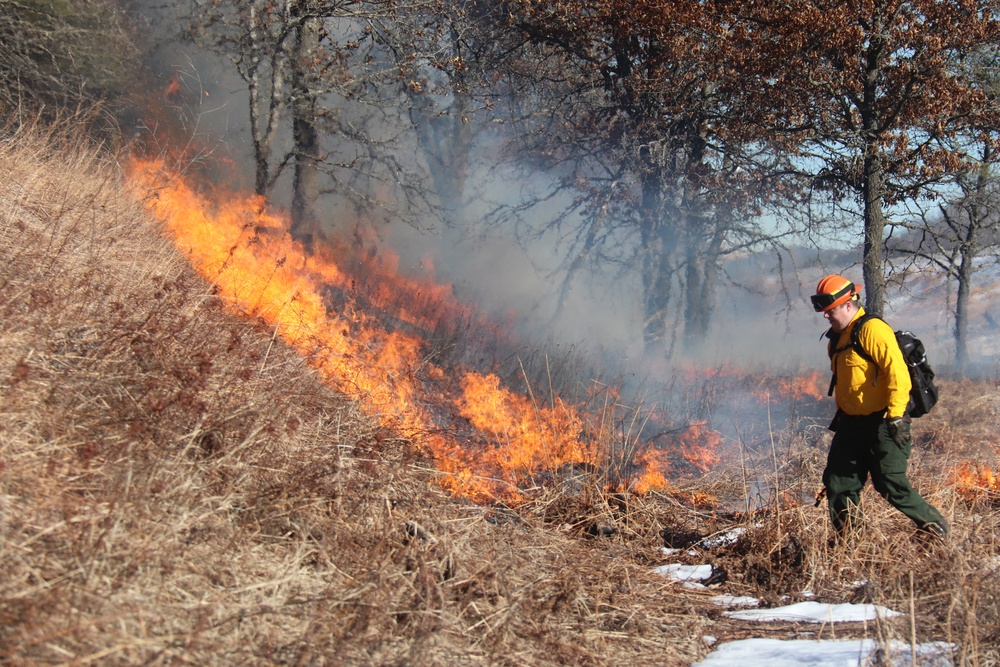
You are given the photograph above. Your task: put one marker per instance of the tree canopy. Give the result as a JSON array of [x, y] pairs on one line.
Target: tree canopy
[[867, 95], [656, 136]]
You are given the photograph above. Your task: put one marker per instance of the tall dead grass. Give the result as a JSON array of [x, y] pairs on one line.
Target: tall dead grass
[[177, 486], [946, 590]]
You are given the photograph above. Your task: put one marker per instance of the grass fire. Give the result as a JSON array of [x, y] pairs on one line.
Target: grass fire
[[499, 334], [218, 448], [489, 442]]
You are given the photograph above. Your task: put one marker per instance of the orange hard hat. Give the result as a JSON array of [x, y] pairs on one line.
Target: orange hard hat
[[832, 291]]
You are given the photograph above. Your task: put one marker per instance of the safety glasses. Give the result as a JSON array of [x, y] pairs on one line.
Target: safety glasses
[[823, 302]]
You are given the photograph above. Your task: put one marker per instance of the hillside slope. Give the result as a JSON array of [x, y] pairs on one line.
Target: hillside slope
[[177, 486]]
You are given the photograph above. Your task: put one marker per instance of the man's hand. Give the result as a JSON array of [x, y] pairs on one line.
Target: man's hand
[[899, 431]]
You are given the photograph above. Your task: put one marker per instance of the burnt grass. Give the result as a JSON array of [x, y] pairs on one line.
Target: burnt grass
[[177, 486]]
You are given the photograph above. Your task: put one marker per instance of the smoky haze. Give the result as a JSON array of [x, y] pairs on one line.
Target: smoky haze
[[762, 317]]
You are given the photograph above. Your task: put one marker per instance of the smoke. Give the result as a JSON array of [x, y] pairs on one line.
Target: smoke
[[762, 319]]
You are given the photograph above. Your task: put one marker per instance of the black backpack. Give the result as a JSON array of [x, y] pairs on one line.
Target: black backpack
[[923, 393]]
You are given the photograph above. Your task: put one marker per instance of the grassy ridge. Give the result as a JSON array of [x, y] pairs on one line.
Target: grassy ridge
[[176, 486]]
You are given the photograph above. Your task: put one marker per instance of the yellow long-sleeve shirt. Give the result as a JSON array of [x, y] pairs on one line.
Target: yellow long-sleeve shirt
[[864, 387]]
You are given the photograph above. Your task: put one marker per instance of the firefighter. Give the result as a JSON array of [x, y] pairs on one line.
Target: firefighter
[[871, 429]]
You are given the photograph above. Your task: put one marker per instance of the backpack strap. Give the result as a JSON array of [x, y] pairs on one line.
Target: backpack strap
[[832, 337], [855, 343], [856, 332]]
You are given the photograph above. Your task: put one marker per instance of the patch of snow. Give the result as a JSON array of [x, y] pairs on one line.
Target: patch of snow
[[679, 572], [722, 539], [826, 653], [735, 601], [815, 612]]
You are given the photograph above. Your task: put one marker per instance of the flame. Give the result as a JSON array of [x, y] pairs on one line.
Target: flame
[[532, 438], [975, 482], [699, 445], [691, 373], [656, 463], [488, 442], [764, 387], [174, 92], [255, 266], [811, 385], [696, 444]]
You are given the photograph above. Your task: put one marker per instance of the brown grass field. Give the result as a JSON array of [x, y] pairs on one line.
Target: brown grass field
[[178, 486]]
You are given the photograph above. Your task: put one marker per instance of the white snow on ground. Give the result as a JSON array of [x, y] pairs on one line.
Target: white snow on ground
[[668, 551], [815, 612], [826, 653], [722, 539], [734, 601], [679, 572], [761, 652]]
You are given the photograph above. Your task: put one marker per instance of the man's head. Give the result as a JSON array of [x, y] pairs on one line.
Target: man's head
[[837, 298]]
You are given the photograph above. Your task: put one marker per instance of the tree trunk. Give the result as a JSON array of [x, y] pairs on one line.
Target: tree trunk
[[873, 260], [656, 278], [446, 141], [704, 248], [699, 294], [658, 246], [260, 136], [962, 312], [305, 190], [978, 213], [873, 178], [697, 290]]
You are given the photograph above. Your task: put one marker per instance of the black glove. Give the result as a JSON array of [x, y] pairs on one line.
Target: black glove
[[899, 431]]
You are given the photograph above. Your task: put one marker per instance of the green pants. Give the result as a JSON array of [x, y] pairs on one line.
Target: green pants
[[861, 447]]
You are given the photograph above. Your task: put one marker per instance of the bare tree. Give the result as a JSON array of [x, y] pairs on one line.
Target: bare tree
[[960, 239], [624, 105], [322, 101], [448, 54], [59, 56], [305, 135]]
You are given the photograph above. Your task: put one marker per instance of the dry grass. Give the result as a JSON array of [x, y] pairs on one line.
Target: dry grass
[[948, 591], [177, 486]]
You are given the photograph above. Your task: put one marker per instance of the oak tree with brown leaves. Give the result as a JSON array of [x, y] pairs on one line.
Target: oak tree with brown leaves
[[867, 95]]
